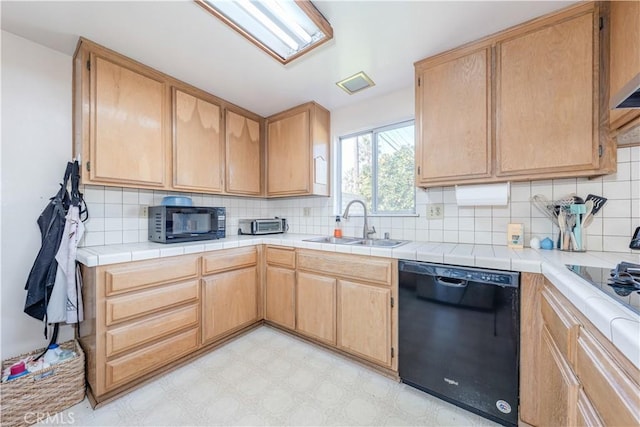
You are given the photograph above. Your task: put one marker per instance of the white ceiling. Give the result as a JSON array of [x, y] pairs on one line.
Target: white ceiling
[[382, 38]]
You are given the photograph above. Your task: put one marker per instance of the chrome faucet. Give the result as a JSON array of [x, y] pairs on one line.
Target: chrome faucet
[[365, 231]]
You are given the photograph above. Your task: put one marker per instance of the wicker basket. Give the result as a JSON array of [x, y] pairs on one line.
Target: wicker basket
[[36, 396]]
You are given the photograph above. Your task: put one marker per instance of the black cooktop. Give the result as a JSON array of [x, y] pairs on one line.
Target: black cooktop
[[601, 278]]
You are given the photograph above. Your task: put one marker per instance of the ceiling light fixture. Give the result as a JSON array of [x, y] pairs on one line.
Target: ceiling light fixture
[[285, 29], [356, 83]]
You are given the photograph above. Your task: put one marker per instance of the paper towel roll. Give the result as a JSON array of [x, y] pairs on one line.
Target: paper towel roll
[[483, 194]]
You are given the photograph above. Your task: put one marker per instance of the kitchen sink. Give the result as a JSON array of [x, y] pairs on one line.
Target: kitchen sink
[[385, 243], [335, 240]]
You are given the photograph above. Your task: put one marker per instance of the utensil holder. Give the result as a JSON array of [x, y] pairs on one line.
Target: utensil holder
[[567, 239]]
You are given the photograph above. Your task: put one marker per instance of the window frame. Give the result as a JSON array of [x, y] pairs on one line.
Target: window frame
[[374, 169]]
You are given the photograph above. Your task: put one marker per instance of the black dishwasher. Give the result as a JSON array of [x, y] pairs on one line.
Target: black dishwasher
[[459, 336]]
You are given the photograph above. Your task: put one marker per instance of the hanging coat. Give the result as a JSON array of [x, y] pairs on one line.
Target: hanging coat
[[70, 309], [65, 304], [43, 272]]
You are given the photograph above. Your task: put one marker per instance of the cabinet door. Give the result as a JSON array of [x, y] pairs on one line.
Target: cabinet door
[[546, 102], [316, 307], [614, 394], [280, 296], [587, 416], [624, 57], [453, 119], [243, 166], [558, 392], [230, 302], [364, 321], [288, 155], [197, 146], [128, 120]]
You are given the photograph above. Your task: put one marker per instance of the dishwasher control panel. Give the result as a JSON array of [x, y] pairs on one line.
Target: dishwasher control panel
[[471, 274]]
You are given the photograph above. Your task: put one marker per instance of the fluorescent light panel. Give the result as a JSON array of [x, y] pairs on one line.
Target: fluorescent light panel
[[283, 28]]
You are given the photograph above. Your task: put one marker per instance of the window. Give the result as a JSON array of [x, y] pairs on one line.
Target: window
[[377, 167]]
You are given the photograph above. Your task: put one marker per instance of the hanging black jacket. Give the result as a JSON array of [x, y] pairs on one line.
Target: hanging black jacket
[[43, 273]]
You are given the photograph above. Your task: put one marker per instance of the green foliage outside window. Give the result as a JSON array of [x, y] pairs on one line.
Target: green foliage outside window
[[377, 167]]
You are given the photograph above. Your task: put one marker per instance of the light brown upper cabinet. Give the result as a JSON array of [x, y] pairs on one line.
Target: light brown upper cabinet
[[198, 147], [547, 99], [137, 127], [624, 58], [243, 148], [453, 112], [298, 150], [121, 120], [522, 104]]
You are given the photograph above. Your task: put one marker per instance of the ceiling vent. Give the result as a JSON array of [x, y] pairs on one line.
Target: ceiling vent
[[356, 83]]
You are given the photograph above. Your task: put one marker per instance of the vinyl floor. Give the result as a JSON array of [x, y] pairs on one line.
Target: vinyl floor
[[269, 378]]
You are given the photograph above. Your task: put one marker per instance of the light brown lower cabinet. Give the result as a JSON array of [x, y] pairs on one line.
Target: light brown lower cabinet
[[280, 286], [570, 374], [352, 295], [139, 317], [229, 302], [364, 321], [559, 402], [280, 304], [145, 317], [316, 307]]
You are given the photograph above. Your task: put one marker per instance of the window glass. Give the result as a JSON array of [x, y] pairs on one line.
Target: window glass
[[377, 167]]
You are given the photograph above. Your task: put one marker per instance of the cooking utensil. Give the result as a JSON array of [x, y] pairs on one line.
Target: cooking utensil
[[598, 202], [577, 210], [586, 217], [563, 227], [545, 207]]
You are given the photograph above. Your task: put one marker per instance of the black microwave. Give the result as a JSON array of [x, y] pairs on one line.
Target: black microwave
[[172, 224]]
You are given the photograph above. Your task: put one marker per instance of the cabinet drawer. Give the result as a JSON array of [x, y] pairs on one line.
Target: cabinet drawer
[[284, 257], [127, 368], [561, 324], [130, 306], [348, 266], [587, 416], [615, 396], [126, 337], [149, 273], [230, 259]]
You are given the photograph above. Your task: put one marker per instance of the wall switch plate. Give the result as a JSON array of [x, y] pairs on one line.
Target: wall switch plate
[[144, 211], [306, 211], [435, 210]]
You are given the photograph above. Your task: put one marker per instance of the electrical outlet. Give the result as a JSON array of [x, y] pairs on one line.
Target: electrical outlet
[[435, 210], [306, 211], [144, 211]]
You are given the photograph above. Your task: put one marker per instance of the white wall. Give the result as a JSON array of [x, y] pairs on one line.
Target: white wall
[[385, 110], [36, 144]]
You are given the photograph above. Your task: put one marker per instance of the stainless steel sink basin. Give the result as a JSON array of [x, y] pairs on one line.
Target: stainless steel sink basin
[[385, 243], [335, 240]]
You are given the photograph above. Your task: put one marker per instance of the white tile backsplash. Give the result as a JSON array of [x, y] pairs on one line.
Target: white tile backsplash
[[115, 213]]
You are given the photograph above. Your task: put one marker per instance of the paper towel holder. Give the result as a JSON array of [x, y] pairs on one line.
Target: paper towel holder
[[494, 194]]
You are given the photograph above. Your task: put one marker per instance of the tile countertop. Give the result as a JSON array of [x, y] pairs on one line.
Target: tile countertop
[[616, 322]]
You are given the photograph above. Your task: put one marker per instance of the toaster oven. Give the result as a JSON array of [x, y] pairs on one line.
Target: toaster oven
[[262, 226]]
